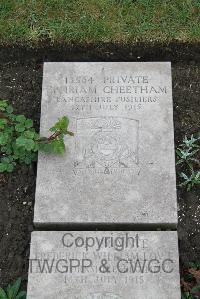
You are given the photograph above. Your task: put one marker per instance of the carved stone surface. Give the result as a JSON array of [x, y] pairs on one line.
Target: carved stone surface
[[104, 265], [119, 167]]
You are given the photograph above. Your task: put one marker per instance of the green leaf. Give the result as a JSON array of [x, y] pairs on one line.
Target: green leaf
[[61, 124], [179, 153], [194, 152], [7, 159], [28, 123], [29, 134], [3, 105], [46, 147], [12, 292], [2, 294], [9, 109], [36, 147], [37, 136], [20, 128], [183, 175], [26, 143], [3, 139], [21, 295], [28, 160], [3, 122], [8, 150], [9, 291], [58, 146], [30, 144], [3, 149], [16, 287], [20, 118], [10, 167]]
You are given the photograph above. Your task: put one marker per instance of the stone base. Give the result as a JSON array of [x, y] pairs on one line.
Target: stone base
[[104, 265]]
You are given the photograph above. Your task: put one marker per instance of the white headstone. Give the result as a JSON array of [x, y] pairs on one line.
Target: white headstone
[[104, 265], [119, 167]]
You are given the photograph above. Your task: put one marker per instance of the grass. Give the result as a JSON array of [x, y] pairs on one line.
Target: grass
[[31, 22]]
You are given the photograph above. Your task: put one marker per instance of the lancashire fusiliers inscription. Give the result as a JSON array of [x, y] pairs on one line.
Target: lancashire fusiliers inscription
[[104, 265], [119, 166]]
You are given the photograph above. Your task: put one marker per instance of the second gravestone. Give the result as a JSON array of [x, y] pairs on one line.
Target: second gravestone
[[119, 166], [104, 265]]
